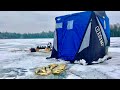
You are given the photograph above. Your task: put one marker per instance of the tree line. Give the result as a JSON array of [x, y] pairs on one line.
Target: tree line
[[115, 32], [8, 35]]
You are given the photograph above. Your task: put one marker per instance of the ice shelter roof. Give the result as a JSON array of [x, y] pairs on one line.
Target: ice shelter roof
[[62, 18], [100, 13]]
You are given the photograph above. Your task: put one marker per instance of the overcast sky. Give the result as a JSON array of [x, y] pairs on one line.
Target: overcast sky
[[37, 21]]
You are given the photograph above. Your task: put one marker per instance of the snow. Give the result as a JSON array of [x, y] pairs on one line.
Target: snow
[[114, 50], [72, 76], [22, 65]]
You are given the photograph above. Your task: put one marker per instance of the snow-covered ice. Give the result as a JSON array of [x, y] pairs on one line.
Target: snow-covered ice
[[21, 64]]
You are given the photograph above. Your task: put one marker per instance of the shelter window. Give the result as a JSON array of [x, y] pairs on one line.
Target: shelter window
[[59, 25], [70, 25], [104, 24]]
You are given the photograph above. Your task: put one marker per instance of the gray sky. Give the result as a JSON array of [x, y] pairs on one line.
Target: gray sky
[[37, 21]]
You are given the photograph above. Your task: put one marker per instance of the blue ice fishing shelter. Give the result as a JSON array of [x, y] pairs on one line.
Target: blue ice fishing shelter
[[83, 35]]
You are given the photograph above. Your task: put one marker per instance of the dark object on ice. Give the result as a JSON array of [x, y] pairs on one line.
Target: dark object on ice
[[33, 50], [72, 62], [109, 58], [48, 57], [89, 63], [84, 35], [41, 47], [49, 46], [38, 47]]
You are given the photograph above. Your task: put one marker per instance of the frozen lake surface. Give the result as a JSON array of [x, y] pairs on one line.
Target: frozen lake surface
[[21, 64]]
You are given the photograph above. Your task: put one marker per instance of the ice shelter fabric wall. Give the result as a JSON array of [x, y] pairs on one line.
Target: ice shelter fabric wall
[[54, 53], [96, 49], [69, 40], [106, 27]]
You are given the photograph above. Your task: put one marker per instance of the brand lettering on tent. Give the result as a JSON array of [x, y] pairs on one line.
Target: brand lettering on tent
[[98, 31]]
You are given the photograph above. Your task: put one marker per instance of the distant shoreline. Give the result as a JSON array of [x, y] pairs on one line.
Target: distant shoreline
[[114, 32], [8, 35], [36, 38], [26, 38]]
